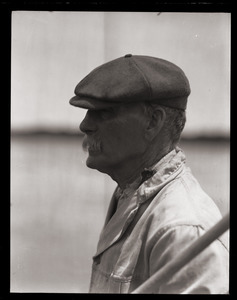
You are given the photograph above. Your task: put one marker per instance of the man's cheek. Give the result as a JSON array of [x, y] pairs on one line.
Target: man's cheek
[[111, 145]]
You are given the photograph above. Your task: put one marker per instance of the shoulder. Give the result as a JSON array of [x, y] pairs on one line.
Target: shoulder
[[182, 203]]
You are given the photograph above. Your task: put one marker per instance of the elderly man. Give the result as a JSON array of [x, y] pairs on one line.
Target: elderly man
[[136, 113]]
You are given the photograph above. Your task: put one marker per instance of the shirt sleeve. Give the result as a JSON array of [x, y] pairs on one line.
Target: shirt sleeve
[[207, 273]]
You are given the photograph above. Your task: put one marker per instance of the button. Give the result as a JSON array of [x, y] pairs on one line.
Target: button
[[128, 55]]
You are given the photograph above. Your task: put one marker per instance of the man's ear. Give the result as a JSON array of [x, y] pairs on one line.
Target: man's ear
[[155, 123]]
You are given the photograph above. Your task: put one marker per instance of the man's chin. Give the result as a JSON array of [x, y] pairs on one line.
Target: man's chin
[[95, 162], [90, 162]]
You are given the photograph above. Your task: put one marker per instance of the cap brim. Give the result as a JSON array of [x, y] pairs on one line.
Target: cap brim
[[90, 103]]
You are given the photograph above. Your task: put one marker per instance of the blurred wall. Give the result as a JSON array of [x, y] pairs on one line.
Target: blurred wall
[[53, 51]]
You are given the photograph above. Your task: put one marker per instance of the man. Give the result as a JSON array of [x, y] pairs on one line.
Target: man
[[136, 113]]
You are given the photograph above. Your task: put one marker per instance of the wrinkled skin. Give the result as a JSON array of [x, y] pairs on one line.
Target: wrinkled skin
[[114, 137]]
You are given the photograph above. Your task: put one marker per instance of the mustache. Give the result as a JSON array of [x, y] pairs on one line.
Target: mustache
[[93, 145]]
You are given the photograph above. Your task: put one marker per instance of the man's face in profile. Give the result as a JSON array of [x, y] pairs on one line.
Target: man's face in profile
[[113, 136]]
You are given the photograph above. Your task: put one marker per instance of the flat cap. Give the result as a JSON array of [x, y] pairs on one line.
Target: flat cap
[[133, 78]]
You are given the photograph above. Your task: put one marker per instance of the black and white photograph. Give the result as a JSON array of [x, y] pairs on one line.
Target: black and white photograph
[[120, 152]]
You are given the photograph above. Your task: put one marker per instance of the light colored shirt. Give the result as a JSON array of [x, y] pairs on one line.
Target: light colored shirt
[[147, 225]]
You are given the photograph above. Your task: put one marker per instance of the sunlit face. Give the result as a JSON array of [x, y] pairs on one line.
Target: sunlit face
[[114, 136]]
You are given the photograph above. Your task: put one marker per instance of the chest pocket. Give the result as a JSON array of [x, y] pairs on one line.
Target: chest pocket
[[117, 280], [107, 283]]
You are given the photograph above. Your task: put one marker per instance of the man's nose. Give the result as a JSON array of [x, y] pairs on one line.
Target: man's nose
[[88, 124]]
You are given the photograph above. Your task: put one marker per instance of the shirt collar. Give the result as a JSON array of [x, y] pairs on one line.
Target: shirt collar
[[151, 178], [164, 171]]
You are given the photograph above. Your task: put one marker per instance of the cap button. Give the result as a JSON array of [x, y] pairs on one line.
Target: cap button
[[128, 55]]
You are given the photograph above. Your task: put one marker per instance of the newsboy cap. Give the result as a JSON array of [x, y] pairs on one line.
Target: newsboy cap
[[133, 78]]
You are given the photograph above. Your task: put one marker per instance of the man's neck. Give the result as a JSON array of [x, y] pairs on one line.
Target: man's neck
[[131, 170]]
